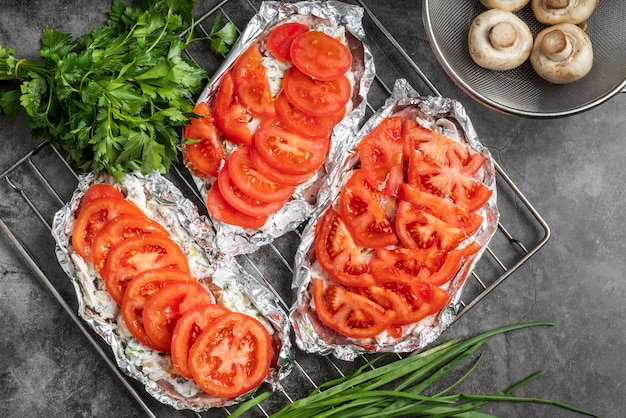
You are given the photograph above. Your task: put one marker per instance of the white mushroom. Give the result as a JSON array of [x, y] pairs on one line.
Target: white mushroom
[[506, 5], [552, 12], [499, 40], [562, 53]]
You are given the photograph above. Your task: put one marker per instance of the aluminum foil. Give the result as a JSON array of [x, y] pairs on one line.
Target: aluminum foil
[[233, 287], [311, 335], [236, 240]]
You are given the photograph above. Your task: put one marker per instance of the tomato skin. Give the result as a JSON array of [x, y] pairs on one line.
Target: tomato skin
[[350, 313], [138, 292], [223, 211], [320, 56], [137, 254], [187, 330], [303, 123], [251, 84], [232, 355], [205, 155], [231, 117], [98, 190], [167, 305], [280, 38], [316, 97]]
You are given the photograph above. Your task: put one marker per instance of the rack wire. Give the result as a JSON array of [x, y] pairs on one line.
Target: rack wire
[[38, 184]]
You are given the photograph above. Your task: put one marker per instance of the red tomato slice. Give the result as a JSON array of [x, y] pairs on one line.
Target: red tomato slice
[[167, 305], [223, 211], [288, 152], [277, 175], [231, 356], [416, 262], [118, 229], [316, 97], [231, 117], [303, 123], [205, 155], [97, 190], [251, 84], [137, 293], [137, 254], [364, 216], [453, 214], [350, 313], [246, 177], [187, 330], [242, 201], [431, 177], [280, 38], [320, 56], [380, 153], [94, 216], [337, 253]]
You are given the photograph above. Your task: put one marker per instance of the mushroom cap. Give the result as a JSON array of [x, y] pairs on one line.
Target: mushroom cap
[[499, 40], [552, 12], [562, 53], [506, 5]]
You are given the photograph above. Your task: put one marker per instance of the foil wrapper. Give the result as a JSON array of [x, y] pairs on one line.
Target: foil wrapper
[[330, 14], [311, 335], [232, 286]]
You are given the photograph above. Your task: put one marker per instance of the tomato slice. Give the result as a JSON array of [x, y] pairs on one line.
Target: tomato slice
[[94, 216], [316, 97], [338, 255], [187, 330], [223, 211], [167, 305], [118, 229], [242, 201], [361, 210], [417, 262], [97, 190], [246, 177], [350, 313], [232, 355], [453, 214], [380, 153], [304, 123], [251, 84], [320, 56], [288, 152], [277, 175], [137, 254], [205, 155], [231, 117], [429, 176], [139, 291], [280, 38]]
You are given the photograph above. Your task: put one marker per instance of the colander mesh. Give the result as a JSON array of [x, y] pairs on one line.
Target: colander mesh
[[520, 90]]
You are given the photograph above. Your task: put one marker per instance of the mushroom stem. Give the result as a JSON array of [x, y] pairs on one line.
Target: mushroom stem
[[556, 4], [502, 35], [557, 46]]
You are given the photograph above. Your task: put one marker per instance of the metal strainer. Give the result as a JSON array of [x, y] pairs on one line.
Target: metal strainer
[[521, 91]]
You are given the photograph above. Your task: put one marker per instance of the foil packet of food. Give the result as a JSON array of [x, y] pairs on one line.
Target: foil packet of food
[[311, 333], [340, 20], [232, 286]]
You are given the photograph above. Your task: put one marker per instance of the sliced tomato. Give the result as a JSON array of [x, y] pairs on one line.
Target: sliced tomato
[[167, 305], [451, 213], [204, 153], [350, 313], [380, 153], [362, 212], [243, 202], [416, 262], [97, 190], [223, 211], [94, 216], [316, 97], [139, 290], [246, 177], [337, 253], [231, 356], [137, 254], [432, 177], [288, 152], [275, 174], [304, 123], [231, 117], [280, 38], [252, 86], [187, 330], [320, 56]]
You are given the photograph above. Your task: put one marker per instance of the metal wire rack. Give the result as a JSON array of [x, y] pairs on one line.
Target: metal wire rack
[[38, 184]]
